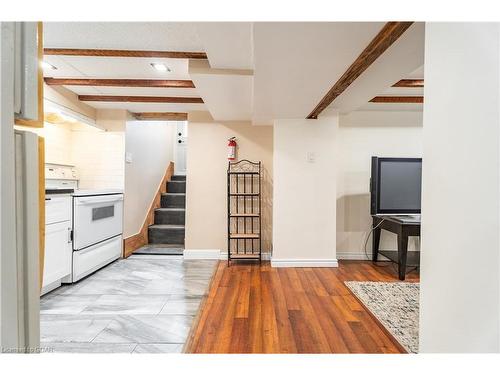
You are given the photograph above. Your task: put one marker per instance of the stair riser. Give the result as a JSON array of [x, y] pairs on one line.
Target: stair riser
[[166, 235], [170, 217], [173, 201], [176, 186], [178, 178]]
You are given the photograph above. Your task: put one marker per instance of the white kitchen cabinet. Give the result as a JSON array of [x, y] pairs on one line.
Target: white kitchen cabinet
[[57, 262], [58, 246]]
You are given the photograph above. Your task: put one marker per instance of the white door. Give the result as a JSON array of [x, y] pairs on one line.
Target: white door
[[57, 262], [180, 148]]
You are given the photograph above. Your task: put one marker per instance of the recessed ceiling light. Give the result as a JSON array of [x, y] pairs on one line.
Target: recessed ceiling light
[[46, 65], [160, 67]]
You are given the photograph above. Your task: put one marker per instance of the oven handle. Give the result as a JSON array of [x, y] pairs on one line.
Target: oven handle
[[87, 201]]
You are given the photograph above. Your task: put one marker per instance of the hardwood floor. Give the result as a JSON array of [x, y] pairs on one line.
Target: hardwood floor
[[260, 309]]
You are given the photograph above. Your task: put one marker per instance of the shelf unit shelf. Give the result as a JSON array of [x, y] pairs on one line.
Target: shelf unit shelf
[[244, 235], [244, 205], [244, 173]]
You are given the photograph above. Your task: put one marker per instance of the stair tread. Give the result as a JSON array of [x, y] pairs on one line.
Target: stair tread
[[173, 193], [167, 245], [167, 226]]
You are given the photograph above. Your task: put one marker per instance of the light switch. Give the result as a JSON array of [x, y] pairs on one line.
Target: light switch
[[311, 157], [128, 157]]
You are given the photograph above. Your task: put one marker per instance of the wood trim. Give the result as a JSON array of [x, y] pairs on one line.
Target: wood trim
[[382, 41], [124, 53], [41, 208], [172, 83], [397, 99], [163, 116], [212, 285], [139, 99], [132, 243], [409, 83], [38, 123]]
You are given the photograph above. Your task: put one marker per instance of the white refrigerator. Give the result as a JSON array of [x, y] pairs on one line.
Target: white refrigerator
[[19, 204]]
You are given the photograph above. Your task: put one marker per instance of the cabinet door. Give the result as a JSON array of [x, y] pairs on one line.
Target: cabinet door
[[57, 263]]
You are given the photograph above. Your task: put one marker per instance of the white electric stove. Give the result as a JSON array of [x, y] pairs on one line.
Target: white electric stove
[[97, 221]]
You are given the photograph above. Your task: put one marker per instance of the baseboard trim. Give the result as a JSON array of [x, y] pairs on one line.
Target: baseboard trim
[[351, 256], [358, 256], [132, 243], [304, 263], [202, 254]]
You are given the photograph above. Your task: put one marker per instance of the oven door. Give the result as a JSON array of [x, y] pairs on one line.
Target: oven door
[[96, 218]]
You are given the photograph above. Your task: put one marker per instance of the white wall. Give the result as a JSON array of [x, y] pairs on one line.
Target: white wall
[[304, 214], [206, 190], [362, 135], [150, 143], [99, 157], [460, 290]]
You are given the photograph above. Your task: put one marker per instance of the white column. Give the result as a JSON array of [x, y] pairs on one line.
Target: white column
[[460, 287], [304, 193]]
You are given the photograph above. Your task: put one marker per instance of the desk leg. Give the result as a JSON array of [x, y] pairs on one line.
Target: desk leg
[[375, 242], [402, 254]]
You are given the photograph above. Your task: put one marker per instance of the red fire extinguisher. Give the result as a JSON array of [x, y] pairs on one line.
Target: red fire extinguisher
[[231, 149]]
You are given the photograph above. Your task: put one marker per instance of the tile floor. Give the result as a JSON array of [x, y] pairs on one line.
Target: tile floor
[[143, 304]]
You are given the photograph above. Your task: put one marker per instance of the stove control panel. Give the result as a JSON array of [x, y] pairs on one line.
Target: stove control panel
[[60, 172]]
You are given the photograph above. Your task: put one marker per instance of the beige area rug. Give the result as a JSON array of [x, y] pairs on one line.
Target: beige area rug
[[395, 305]]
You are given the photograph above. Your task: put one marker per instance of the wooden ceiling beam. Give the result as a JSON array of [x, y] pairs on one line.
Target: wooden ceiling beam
[[409, 83], [162, 116], [397, 99], [169, 83], [124, 53], [138, 99], [382, 41]]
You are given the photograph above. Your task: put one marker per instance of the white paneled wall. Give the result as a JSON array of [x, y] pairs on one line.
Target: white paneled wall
[[58, 142], [99, 157]]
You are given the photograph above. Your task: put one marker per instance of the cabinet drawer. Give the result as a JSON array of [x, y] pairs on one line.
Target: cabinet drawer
[[57, 209]]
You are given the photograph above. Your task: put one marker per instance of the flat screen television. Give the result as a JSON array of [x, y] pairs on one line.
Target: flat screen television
[[395, 185]]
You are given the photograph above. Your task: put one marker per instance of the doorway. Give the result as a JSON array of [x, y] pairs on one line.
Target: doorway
[[180, 148]]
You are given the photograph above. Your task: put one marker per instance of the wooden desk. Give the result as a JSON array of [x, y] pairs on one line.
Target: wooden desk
[[403, 228]]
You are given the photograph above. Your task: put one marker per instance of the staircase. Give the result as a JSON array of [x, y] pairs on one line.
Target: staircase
[[166, 235]]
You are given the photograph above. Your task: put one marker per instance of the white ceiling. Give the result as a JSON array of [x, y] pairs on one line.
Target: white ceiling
[[151, 36], [227, 93], [229, 45], [399, 91], [294, 65], [403, 57], [297, 63], [128, 36], [115, 67]]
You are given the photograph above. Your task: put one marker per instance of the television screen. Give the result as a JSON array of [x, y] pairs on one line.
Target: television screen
[[396, 185]]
